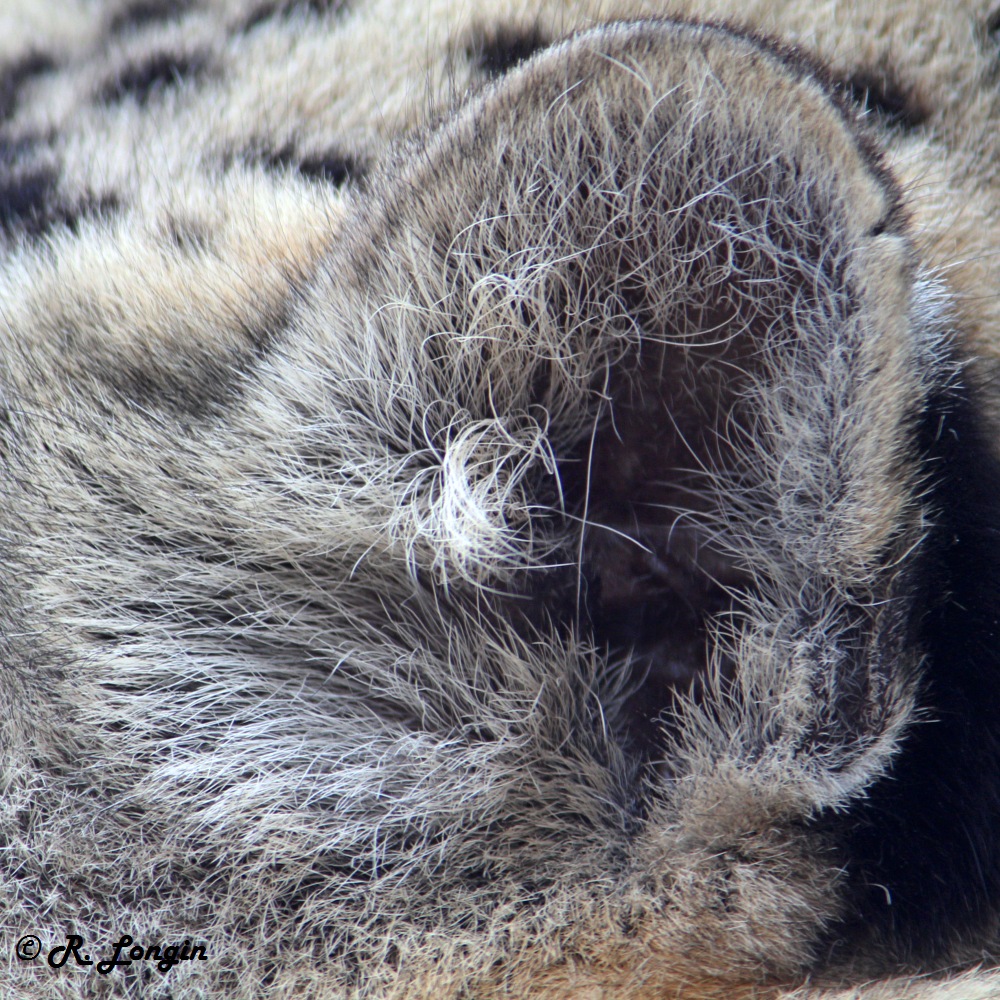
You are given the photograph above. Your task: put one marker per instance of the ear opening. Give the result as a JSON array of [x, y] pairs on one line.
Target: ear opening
[[656, 569]]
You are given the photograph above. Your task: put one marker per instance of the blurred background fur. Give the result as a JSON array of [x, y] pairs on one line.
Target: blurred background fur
[[501, 499]]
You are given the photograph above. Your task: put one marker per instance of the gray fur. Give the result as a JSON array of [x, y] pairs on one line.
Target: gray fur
[[294, 609]]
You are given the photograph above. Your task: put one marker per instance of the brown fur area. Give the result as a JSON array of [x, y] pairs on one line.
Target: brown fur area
[[499, 500]]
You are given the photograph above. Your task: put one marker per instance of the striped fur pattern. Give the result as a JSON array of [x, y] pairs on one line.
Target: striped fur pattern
[[500, 500]]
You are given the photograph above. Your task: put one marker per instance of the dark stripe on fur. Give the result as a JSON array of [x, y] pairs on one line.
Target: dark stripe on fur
[[69, 215], [143, 12], [878, 94], [142, 81], [26, 208], [30, 204], [24, 198], [283, 8], [500, 49], [15, 76], [331, 167], [210, 383]]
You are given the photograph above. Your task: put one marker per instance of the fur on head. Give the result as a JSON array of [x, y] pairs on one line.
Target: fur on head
[[547, 546]]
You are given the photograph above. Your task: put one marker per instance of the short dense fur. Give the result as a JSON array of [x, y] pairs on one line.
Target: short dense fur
[[501, 500]]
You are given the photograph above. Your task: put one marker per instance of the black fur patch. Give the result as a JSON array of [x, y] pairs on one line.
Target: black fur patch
[[71, 214], [878, 94], [143, 12], [29, 204], [281, 8], [923, 848], [499, 50], [13, 78], [993, 22], [194, 397], [142, 81], [25, 198], [331, 167]]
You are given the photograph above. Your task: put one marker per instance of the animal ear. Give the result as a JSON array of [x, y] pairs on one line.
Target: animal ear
[[683, 327], [668, 340]]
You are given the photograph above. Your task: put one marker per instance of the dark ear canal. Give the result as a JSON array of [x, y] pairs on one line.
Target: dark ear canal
[[655, 572], [924, 847]]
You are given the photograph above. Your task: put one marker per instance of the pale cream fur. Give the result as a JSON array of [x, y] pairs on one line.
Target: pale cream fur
[[322, 751]]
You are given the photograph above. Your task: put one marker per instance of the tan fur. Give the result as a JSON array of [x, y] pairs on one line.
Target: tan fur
[[286, 464]]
